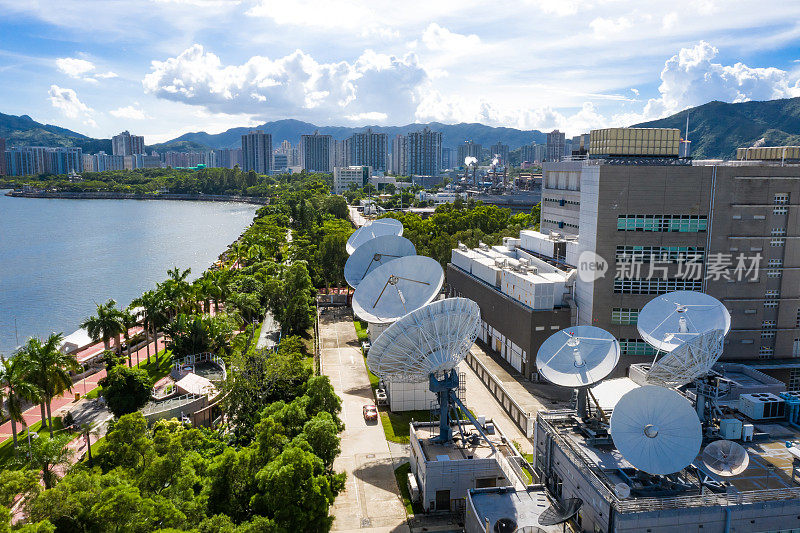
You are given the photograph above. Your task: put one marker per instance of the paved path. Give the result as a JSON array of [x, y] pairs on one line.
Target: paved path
[[371, 501]]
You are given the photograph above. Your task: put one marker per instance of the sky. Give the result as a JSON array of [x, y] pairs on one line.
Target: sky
[[162, 68]]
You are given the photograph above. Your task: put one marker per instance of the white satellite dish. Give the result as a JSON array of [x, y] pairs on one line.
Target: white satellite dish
[[622, 490], [396, 288], [656, 430], [725, 458], [578, 356], [373, 254], [376, 228], [689, 361], [430, 340], [669, 320]]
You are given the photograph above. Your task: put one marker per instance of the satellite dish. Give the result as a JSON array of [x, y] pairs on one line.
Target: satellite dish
[[374, 253], [505, 525], [622, 490], [669, 320], [725, 458], [430, 340], [578, 356], [558, 514], [689, 361], [376, 228], [396, 288], [656, 430]]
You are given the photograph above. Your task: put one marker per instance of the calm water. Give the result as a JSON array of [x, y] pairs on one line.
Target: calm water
[[59, 257]]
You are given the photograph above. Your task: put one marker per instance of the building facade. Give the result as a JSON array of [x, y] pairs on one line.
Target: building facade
[[257, 152], [317, 152], [501, 150], [101, 162], [3, 170], [33, 160], [468, 149], [424, 152], [369, 149], [399, 159], [556, 144], [356, 175], [126, 144]]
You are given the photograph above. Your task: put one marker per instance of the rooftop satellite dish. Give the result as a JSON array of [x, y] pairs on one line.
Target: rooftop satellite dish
[[656, 430], [689, 361], [374, 253], [430, 340], [376, 228], [669, 320], [505, 525], [622, 490], [396, 288], [725, 458], [558, 514], [578, 356]]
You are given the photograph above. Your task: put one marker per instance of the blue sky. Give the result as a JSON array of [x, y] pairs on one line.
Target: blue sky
[[165, 67]]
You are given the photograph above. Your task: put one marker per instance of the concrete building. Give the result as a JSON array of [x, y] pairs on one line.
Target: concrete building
[[101, 162], [126, 144], [660, 224], [399, 159], [341, 153], [34, 160], [448, 158], [316, 152], [280, 162], [580, 144], [369, 149], [501, 150], [523, 298], [132, 162], [257, 152], [532, 153], [556, 142], [468, 149], [343, 177], [3, 170], [442, 197], [19, 162], [424, 153]]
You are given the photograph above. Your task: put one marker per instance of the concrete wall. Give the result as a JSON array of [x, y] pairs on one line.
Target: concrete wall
[[410, 396]]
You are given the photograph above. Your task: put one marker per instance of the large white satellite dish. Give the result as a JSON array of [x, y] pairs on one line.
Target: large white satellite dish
[[578, 356], [656, 430], [725, 458], [373, 254], [430, 340], [396, 288], [689, 361], [376, 228], [669, 320]]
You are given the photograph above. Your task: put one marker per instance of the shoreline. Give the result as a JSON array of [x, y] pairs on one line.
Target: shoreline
[[100, 195]]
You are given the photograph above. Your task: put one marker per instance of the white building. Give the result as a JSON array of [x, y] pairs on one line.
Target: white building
[[445, 197], [343, 177]]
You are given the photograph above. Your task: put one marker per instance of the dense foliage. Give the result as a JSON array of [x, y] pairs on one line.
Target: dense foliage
[[126, 389]]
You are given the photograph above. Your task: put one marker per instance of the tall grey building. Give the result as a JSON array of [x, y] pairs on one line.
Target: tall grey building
[[341, 153], [2, 157], [127, 144], [448, 158], [556, 142], [369, 149], [424, 152], [400, 155], [31, 160], [501, 150], [468, 149], [316, 152], [257, 152]]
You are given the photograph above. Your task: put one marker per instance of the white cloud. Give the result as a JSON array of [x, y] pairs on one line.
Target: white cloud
[[438, 38], [375, 116], [106, 75], [293, 85], [74, 67], [607, 27], [130, 112], [68, 102]]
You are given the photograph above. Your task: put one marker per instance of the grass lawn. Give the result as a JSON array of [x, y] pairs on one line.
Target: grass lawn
[[159, 365], [7, 446], [361, 330], [395, 425], [401, 475]]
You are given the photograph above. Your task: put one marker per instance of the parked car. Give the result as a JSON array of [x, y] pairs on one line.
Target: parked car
[[370, 413]]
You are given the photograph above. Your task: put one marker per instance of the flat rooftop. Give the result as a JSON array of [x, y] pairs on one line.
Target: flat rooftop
[[461, 448], [523, 506]]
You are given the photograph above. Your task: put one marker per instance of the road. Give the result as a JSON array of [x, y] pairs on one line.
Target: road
[[371, 501]]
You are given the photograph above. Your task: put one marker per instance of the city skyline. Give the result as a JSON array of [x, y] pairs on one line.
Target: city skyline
[[163, 69]]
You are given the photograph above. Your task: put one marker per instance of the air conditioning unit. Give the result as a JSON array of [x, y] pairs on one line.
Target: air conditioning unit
[[762, 406], [462, 247]]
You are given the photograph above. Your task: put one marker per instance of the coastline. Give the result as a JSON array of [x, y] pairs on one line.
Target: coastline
[[103, 195]]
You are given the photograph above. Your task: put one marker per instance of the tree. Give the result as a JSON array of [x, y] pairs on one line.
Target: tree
[[49, 369], [16, 482], [105, 324], [295, 317], [48, 454], [17, 388], [153, 316], [129, 321], [322, 433], [126, 389], [336, 206]]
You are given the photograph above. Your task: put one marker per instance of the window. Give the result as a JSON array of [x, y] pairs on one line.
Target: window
[[665, 223], [796, 348], [773, 273], [624, 315], [775, 263], [765, 352], [768, 328], [779, 241], [797, 321], [780, 210], [770, 304], [794, 379], [635, 347], [655, 286], [661, 254], [778, 232], [782, 198]]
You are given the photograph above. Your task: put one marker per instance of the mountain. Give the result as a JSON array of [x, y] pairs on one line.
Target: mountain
[[24, 131], [717, 129], [452, 134]]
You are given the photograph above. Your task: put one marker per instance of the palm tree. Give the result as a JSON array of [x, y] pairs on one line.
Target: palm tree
[[47, 367], [153, 316], [106, 324], [128, 320], [49, 454], [17, 388]]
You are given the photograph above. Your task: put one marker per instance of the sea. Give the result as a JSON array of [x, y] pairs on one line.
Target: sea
[[59, 257]]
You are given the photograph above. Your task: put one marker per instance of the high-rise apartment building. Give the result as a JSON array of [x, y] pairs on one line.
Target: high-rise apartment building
[[280, 161], [500, 150], [399, 157], [316, 152], [19, 162], [31, 160], [2, 157], [424, 152], [448, 158], [257, 152], [341, 153], [127, 144], [369, 149], [101, 162], [556, 142], [468, 149]]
